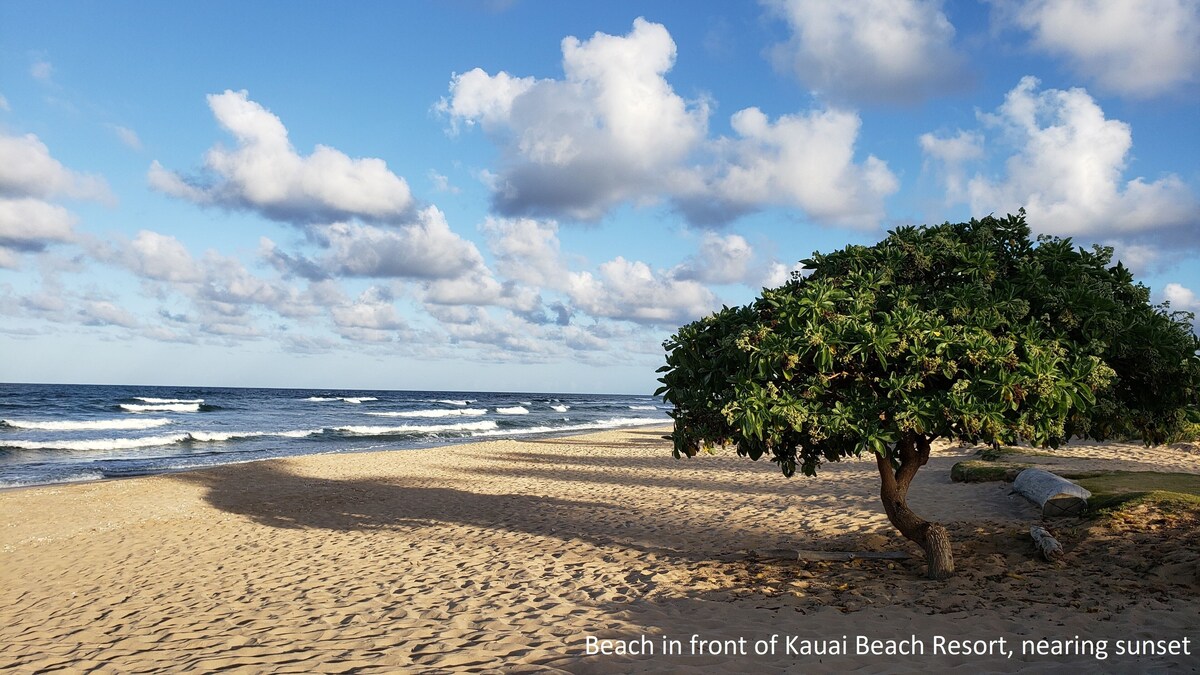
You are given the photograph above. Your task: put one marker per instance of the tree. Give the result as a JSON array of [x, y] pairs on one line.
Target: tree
[[968, 332]]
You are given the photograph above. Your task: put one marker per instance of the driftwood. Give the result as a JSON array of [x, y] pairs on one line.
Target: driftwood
[[1048, 545], [1056, 495]]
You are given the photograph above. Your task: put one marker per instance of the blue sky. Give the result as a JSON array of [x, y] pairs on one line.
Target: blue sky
[[533, 195]]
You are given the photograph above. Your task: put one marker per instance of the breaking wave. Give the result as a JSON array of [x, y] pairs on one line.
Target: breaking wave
[[87, 425]]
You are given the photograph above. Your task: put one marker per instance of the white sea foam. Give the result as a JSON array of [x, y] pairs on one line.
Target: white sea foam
[[560, 408], [643, 407], [99, 443], [415, 429], [74, 477], [614, 423], [515, 410], [151, 399], [160, 407], [221, 436], [464, 412], [453, 401], [86, 425]]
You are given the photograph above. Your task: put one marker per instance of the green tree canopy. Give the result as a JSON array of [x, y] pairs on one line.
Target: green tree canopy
[[965, 331]]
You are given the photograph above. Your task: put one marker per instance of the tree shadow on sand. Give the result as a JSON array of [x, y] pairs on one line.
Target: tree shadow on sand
[[269, 494]]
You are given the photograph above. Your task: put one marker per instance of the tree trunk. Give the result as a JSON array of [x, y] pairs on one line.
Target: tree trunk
[[913, 453]]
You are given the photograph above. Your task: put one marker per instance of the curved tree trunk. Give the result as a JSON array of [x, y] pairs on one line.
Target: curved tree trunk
[[913, 453]]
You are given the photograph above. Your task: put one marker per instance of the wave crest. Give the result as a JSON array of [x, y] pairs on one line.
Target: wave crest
[[86, 425]]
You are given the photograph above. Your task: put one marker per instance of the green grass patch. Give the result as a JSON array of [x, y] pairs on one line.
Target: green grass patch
[[1114, 491], [976, 471], [1005, 452]]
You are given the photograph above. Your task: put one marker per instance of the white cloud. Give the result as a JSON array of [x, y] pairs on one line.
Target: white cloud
[[1067, 170], [805, 161], [581, 339], [483, 98], [1137, 48], [1181, 298], [28, 170], [372, 317], [505, 337], [631, 291], [720, 260], [480, 289], [4, 104], [163, 258], [264, 173], [228, 300], [950, 155], [612, 130], [30, 224], [526, 250], [870, 50], [29, 177], [426, 249], [105, 313], [778, 274]]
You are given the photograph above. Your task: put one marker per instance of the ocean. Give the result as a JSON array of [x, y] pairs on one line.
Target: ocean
[[52, 433]]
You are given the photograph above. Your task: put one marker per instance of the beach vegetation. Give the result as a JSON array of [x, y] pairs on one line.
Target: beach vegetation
[[972, 332], [1114, 491]]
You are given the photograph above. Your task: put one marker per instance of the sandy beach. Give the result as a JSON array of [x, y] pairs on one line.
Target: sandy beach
[[519, 555]]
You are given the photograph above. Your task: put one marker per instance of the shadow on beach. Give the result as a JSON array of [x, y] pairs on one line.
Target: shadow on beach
[[600, 510]]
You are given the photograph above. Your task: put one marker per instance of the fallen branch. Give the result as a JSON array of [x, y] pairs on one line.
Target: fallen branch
[[1048, 545]]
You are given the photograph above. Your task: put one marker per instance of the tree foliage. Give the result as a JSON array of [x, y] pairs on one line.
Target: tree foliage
[[966, 331]]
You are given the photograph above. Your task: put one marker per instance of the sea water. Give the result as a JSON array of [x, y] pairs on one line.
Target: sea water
[[52, 433]]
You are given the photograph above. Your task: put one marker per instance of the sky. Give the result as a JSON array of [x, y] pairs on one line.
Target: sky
[[532, 196]]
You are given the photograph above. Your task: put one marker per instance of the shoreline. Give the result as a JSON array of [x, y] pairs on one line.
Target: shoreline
[[509, 554]]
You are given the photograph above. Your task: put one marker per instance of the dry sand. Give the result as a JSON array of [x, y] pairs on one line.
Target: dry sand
[[506, 556]]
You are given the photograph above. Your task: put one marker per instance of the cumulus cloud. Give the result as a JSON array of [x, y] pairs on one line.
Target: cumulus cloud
[[526, 250], [504, 337], [31, 224], [477, 97], [105, 313], [1139, 49], [720, 260], [370, 318], [804, 161], [871, 50], [425, 249], [227, 299], [29, 178], [1067, 169], [162, 258], [264, 173], [1182, 299], [632, 291], [28, 170], [613, 131]]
